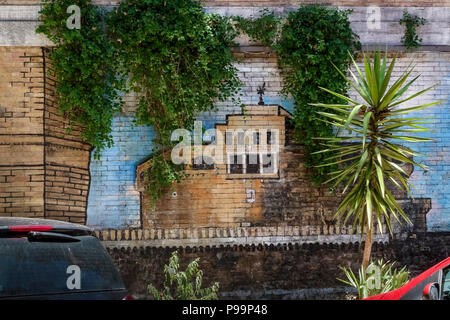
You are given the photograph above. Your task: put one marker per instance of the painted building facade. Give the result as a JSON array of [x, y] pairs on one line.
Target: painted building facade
[[47, 172]]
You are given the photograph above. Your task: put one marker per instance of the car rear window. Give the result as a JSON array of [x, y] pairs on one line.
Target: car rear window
[[36, 268]]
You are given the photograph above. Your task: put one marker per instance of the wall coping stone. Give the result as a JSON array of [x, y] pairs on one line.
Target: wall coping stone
[[212, 236]]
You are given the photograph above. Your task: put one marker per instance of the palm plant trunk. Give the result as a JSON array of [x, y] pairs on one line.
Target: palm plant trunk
[[368, 244]]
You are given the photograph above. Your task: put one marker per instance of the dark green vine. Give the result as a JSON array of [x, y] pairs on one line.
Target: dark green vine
[[179, 62], [265, 28], [176, 57], [411, 39], [308, 42], [82, 60]]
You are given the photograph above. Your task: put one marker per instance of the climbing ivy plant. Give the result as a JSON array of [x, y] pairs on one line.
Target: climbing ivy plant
[[264, 28], [176, 57], [310, 42], [179, 63], [411, 39], [82, 60]]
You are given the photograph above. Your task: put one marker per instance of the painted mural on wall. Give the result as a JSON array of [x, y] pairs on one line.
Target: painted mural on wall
[[114, 201], [225, 184], [47, 172]]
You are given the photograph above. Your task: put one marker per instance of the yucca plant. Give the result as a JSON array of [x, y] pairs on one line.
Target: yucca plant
[[379, 277], [369, 155]]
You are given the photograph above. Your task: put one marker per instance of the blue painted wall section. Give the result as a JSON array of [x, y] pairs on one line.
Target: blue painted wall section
[[113, 200], [435, 183]]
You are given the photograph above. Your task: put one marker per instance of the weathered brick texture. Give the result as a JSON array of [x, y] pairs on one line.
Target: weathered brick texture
[[21, 132], [44, 171], [250, 271], [67, 159], [284, 271]]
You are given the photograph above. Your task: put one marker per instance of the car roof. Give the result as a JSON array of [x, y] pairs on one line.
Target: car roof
[[20, 221]]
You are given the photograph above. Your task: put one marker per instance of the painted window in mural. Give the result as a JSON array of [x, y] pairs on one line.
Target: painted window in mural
[[260, 163]]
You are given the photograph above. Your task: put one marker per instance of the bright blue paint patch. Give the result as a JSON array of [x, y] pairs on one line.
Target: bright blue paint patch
[[287, 104], [113, 200], [434, 183]]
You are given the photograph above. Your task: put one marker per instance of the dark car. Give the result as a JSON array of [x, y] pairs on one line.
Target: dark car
[[432, 284], [47, 259]]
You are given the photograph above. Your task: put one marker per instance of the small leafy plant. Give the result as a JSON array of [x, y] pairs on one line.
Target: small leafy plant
[[411, 39], [379, 277], [184, 285]]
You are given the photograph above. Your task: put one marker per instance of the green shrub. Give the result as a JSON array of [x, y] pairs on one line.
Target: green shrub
[[379, 277], [184, 285]]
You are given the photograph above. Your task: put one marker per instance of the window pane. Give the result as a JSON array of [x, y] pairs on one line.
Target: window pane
[[252, 163], [236, 165]]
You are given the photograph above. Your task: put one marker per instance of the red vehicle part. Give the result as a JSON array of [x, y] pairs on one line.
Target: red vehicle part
[[413, 288]]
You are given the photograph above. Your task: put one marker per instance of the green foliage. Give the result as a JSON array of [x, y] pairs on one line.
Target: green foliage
[[411, 39], [161, 176], [308, 41], [264, 28], [179, 64], [369, 155], [184, 285], [83, 63], [379, 277]]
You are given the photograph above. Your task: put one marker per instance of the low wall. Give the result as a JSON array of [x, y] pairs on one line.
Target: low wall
[[284, 271], [298, 271]]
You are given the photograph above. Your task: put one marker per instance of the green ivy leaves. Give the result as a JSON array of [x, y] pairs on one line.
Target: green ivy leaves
[[308, 42], [179, 63], [411, 39], [83, 63]]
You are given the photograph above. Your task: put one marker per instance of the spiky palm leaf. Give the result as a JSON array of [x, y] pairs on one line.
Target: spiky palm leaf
[[369, 156], [379, 277]]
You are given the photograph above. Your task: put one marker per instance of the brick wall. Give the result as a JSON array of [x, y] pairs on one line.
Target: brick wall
[[114, 201], [21, 132], [44, 171], [254, 69], [67, 161], [284, 271], [113, 198]]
